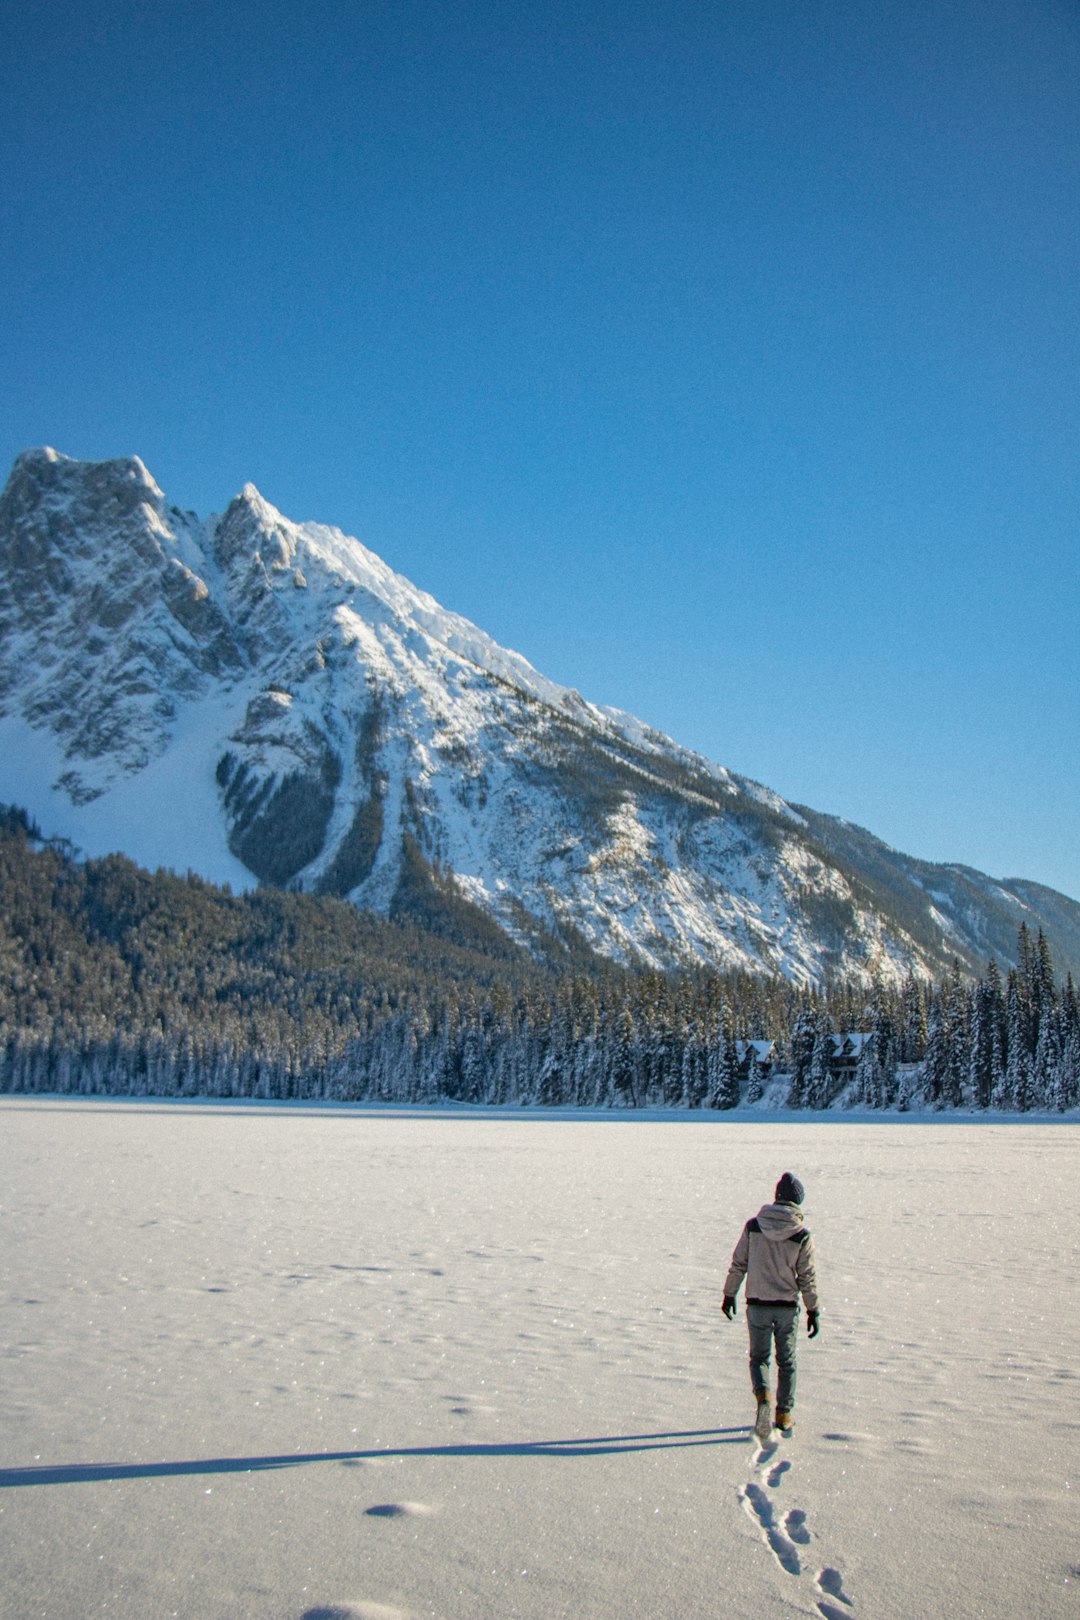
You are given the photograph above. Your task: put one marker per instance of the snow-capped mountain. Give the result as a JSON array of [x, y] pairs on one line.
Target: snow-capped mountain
[[261, 700]]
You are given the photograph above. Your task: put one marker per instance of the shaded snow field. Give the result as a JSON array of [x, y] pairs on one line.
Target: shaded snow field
[[365, 1365]]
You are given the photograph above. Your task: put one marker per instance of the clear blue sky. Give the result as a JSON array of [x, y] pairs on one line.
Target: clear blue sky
[[723, 358]]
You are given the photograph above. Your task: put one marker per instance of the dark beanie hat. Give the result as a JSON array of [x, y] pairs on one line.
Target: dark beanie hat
[[789, 1189]]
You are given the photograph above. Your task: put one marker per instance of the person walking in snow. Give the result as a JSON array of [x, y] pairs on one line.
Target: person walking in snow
[[775, 1253]]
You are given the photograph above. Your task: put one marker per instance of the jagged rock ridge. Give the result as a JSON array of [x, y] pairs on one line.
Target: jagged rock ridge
[[267, 701]]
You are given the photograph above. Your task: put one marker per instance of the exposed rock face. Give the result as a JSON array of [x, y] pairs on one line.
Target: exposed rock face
[[253, 695], [105, 625]]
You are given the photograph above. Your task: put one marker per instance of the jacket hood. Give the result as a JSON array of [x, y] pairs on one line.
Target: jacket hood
[[779, 1220]]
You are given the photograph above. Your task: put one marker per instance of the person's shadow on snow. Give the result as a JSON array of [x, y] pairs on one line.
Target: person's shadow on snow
[[594, 1446]]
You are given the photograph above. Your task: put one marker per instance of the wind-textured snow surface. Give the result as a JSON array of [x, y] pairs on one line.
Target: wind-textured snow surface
[[270, 1363]]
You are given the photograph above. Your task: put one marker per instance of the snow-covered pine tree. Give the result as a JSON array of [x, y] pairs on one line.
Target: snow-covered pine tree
[[883, 1043], [981, 1045], [1044, 1068], [802, 1051], [912, 1021], [1066, 1092], [693, 1070], [1023, 1016], [755, 1089], [958, 1038], [867, 1087], [820, 1081], [549, 1092], [1068, 1086], [1045, 987], [724, 1067], [623, 1059], [935, 1065], [1017, 1085]]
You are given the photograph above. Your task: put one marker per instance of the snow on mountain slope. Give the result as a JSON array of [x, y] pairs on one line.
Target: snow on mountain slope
[[261, 700]]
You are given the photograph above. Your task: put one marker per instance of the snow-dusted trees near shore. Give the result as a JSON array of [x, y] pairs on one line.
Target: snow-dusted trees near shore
[[117, 981], [1012, 1045]]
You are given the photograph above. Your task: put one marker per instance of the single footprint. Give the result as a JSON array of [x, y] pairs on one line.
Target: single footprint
[[355, 1611], [399, 1510], [760, 1509], [776, 1474], [795, 1525], [830, 1583]]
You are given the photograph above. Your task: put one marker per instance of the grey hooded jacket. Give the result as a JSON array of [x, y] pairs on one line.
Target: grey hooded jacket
[[775, 1253]]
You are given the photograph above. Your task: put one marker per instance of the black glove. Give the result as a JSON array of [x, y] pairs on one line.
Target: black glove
[[728, 1307], [812, 1324]]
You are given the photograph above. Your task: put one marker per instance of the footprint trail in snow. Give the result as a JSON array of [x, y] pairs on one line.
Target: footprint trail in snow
[[787, 1534]]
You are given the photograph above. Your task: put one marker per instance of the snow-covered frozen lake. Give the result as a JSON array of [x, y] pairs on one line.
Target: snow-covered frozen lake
[[282, 1362]]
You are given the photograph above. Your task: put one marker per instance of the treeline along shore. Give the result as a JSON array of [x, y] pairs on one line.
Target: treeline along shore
[[117, 981]]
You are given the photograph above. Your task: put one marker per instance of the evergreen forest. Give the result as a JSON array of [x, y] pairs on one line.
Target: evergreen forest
[[118, 981]]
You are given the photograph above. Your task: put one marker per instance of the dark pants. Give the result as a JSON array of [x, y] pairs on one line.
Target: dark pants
[[766, 1323]]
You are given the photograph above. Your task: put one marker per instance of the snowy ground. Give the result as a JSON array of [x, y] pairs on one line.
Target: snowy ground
[[281, 1362]]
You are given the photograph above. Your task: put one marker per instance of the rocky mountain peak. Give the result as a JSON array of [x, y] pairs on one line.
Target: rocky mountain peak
[[46, 470], [262, 700], [253, 534]]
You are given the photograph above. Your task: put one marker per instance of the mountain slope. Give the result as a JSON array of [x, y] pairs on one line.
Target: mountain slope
[[260, 700]]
